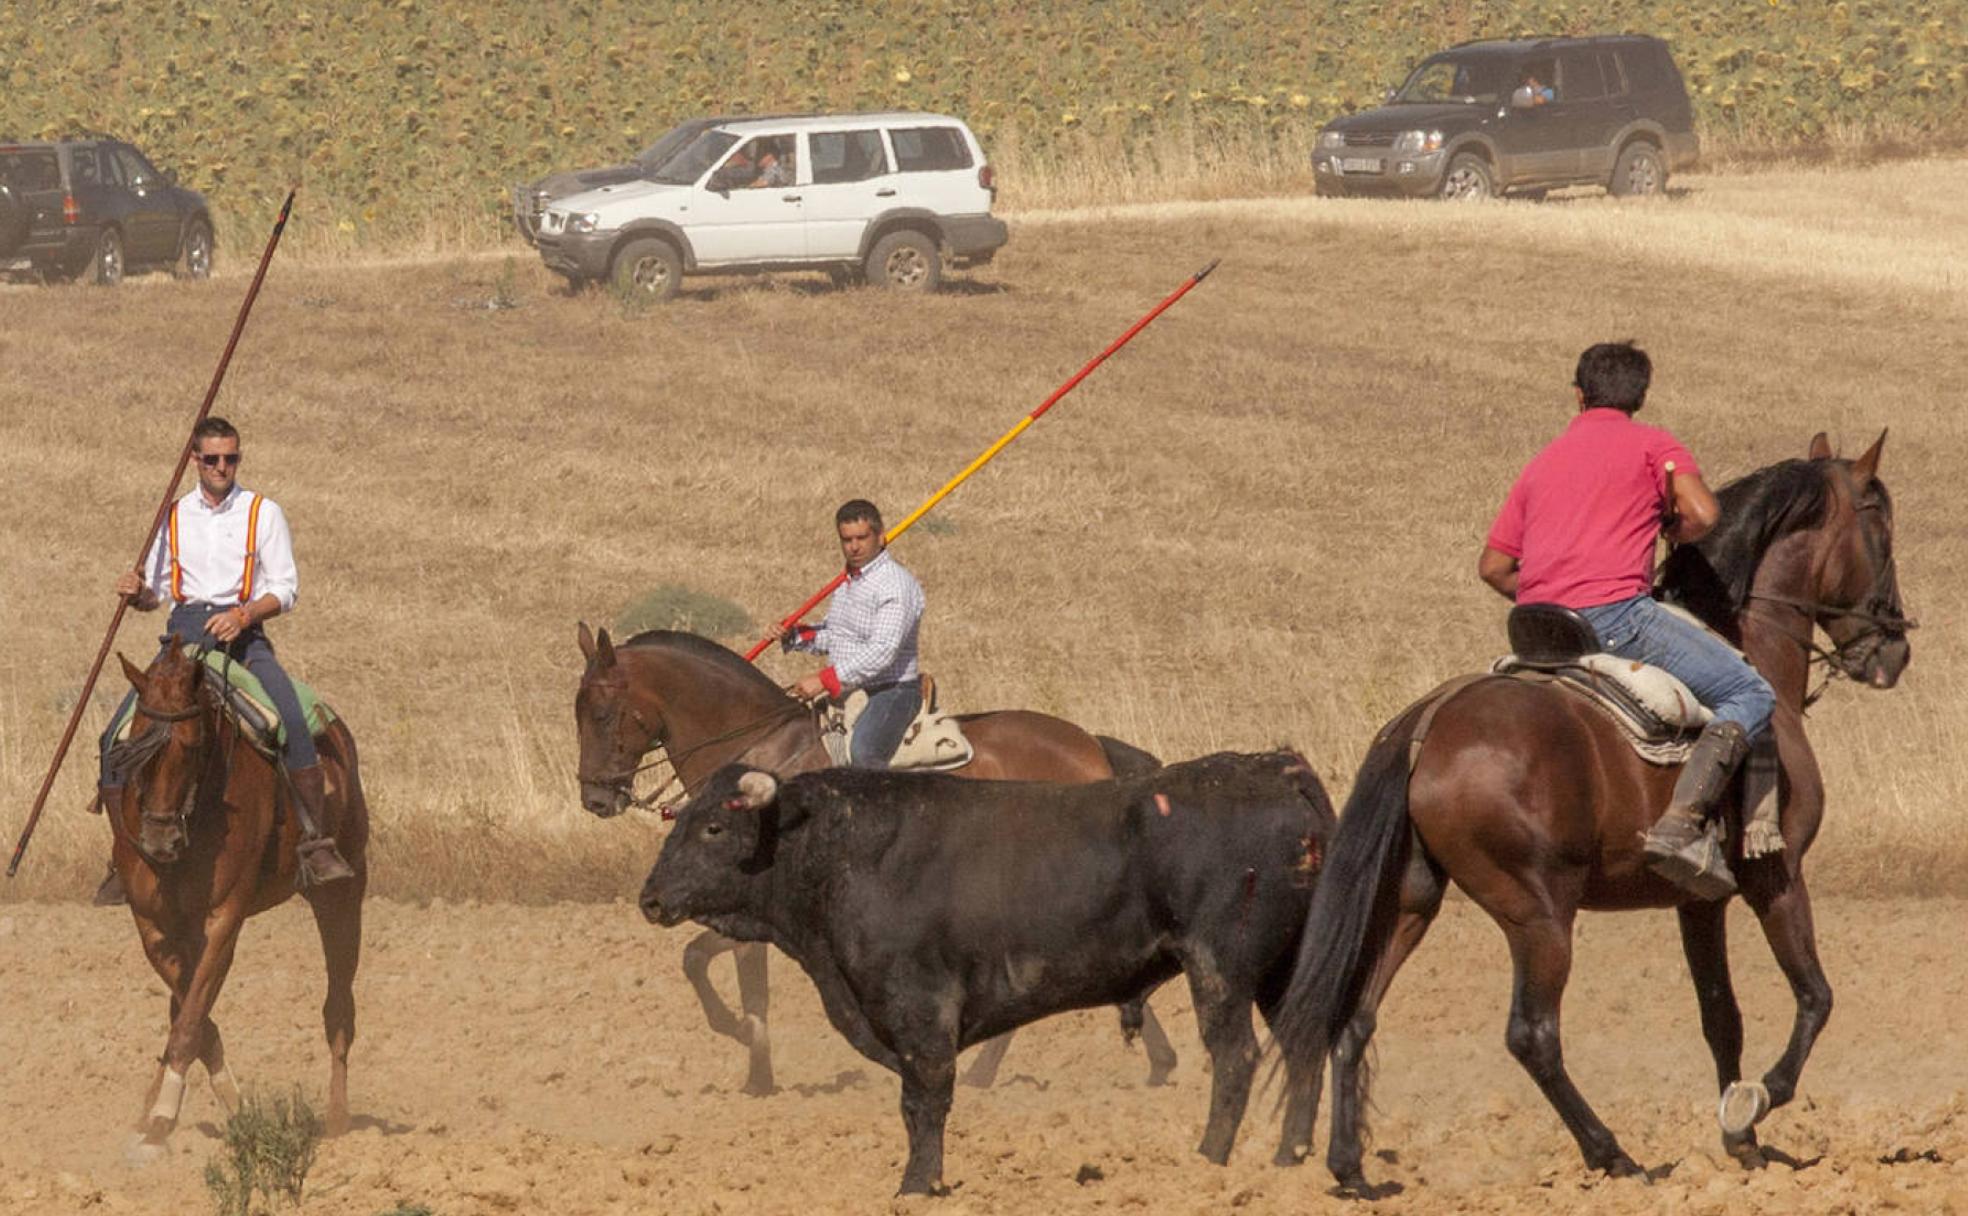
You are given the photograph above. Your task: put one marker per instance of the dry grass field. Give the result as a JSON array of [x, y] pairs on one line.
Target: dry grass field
[[1257, 525]]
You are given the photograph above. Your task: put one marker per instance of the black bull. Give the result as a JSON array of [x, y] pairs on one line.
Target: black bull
[[934, 913]]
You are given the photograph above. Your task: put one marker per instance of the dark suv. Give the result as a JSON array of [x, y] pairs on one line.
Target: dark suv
[[98, 205], [1497, 117]]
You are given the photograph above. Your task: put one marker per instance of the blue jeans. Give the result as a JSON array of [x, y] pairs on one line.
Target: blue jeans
[[879, 729], [1721, 679], [252, 649]]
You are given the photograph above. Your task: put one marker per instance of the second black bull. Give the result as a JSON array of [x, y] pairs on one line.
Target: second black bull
[[934, 913]]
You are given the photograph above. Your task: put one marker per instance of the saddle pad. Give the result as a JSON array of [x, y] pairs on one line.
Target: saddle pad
[[934, 741], [1656, 712], [247, 703]]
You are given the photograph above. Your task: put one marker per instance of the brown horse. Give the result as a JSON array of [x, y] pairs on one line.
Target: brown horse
[[706, 707], [204, 838], [1531, 802]]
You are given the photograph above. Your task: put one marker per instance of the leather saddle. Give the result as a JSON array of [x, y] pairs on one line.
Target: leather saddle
[[1553, 642]]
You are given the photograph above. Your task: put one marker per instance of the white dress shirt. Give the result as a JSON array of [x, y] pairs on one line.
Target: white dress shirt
[[212, 551], [871, 628]]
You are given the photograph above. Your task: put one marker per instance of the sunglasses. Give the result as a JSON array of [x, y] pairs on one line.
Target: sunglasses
[[215, 459]]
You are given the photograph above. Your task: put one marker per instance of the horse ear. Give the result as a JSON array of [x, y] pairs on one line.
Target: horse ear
[[1866, 467], [137, 679], [604, 655], [586, 638], [757, 789], [1820, 447]]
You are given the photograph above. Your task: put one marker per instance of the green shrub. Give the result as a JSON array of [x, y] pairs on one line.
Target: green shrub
[[672, 607], [269, 1148]]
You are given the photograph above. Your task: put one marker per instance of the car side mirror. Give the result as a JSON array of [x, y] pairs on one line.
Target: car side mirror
[[1521, 99]]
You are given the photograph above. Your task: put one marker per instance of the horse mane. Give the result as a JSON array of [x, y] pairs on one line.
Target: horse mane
[[1712, 577], [721, 657]]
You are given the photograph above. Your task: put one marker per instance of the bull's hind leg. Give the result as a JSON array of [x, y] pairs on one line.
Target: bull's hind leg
[[338, 919], [1422, 888], [1787, 925], [1224, 1018], [1705, 941], [1541, 950]]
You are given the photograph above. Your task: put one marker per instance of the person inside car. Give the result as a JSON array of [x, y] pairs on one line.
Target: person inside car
[[1539, 92]]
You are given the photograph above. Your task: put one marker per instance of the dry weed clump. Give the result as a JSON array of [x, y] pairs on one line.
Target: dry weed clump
[[1257, 525]]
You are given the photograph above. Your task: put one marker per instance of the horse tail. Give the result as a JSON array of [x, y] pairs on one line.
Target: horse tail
[[1352, 912], [1126, 759]]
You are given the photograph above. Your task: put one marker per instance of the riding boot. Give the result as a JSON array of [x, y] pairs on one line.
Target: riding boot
[[111, 892], [320, 862], [1685, 846]]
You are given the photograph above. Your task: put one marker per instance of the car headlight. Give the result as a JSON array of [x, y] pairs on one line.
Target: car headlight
[[1331, 139], [586, 221], [1409, 143]]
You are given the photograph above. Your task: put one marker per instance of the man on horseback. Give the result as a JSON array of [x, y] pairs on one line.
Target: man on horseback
[[225, 559], [1578, 529], [870, 633]]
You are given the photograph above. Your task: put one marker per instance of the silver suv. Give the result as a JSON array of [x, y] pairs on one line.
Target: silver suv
[[893, 196]]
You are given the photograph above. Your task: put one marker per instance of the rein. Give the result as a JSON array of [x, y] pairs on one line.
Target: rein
[[131, 755], [1878, 624], [655, 742]]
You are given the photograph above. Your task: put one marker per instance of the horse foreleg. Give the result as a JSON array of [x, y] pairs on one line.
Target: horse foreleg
[[697, 958], [186, 1042], [983, 1070], [1705, 941], [1155, 1040], [1541, 950], [166, 956], [1787, 925], [338, 921], [225, 1086], [756, 1000]]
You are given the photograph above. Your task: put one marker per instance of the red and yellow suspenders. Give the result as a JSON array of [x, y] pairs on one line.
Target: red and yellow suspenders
[[252, 553]]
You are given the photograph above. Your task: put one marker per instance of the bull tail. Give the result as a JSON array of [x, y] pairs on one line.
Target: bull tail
[[1352, 913], [1126, 759]]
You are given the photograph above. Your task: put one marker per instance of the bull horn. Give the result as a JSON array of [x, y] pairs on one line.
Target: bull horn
[[757, 789]]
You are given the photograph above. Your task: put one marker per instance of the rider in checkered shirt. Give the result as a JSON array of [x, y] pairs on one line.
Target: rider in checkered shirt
[[870, 634]]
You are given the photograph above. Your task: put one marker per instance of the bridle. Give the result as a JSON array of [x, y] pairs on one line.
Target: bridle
[[135, 753], [653, 740], [1881, 624]]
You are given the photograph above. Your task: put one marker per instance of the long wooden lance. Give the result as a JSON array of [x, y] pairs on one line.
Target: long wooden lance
[[1003, 442], [156, 522]]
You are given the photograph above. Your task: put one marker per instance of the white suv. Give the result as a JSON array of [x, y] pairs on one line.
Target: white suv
[[892, 196]]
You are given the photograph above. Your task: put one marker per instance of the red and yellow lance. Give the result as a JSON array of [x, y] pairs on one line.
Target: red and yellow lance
[[989, 453]]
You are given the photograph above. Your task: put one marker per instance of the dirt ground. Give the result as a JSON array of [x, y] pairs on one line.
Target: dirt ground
[[515, 1059]]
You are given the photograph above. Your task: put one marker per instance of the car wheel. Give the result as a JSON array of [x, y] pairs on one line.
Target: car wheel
[[905, 260], [1639, 172], [1469, 177], [106, 267], [14, 220], [648, 267], [196, 260]]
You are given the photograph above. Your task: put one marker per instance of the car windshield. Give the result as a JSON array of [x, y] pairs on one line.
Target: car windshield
[[1481, 81], [675, 140], [696, 158]]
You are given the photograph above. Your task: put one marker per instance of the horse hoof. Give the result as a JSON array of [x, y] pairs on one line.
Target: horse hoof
[[1742, 1107], [141, 1152]]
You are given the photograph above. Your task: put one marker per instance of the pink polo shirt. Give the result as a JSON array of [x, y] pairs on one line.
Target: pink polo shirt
[[1582, 518]]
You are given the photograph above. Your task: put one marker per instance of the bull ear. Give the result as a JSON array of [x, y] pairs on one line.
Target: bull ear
[[1820, 447], [137, 678], [604, 656], [586, 638], [757, 789], [1866, 467]]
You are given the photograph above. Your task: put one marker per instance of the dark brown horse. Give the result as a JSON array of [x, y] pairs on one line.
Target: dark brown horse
[[204, 838], [1531, 802], [706, 707]]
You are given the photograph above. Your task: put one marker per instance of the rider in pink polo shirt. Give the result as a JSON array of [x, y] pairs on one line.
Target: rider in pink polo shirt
[[1578, 529]]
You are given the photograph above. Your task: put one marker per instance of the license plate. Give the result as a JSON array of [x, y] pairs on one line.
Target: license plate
[[1359, 164]]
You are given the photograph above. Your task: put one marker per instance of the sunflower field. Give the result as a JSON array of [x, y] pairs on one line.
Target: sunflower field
[[391, 111]]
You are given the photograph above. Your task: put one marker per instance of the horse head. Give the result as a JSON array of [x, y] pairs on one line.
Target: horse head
[[614, 734], [164, 758], [1856, 591]]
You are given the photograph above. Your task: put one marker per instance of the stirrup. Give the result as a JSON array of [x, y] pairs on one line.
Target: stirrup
[[320, 862], [112, 893]]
